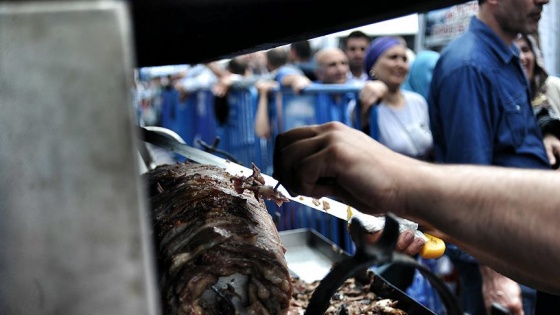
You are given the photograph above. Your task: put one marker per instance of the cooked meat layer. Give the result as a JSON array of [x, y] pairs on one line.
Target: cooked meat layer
[[218, 251]]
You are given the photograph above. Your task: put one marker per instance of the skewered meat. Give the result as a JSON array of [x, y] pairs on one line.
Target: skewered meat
[[218, 251]]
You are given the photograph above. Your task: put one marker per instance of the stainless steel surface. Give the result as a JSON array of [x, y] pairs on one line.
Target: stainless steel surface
[[73, 232], [310, 255]]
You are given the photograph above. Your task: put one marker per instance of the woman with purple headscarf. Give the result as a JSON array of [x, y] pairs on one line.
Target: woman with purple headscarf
[[400, 120]]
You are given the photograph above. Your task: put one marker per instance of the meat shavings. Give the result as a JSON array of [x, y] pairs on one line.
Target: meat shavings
[[269, 193], [352, 297], [316, 202], [257, 174], [159, 188], [256, 183]]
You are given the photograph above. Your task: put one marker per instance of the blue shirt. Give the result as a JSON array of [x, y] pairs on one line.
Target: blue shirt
[[479, 104], [337, 106], [334, 107], [286, 70], [480, 108]]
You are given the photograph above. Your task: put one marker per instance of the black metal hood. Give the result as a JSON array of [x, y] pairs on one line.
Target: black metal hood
[[168, 32]]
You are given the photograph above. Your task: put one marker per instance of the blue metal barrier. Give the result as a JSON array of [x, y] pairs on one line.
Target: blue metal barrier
[[185, 118], [317, 104], [297, 111], [238, 134], [169, 100], [205, 122], [191, 117]]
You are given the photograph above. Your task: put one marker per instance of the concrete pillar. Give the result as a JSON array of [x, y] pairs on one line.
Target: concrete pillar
[[74, 236]]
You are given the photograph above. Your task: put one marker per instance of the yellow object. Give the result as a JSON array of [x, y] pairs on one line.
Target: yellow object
[[433, 248], [349, 215]]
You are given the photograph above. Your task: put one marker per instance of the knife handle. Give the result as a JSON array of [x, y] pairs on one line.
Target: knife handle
[[433, 248]]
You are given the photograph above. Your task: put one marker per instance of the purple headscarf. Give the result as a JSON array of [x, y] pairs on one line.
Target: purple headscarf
[[376, 49]]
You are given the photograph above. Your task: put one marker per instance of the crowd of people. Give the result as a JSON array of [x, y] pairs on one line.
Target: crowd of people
[[397, 144]]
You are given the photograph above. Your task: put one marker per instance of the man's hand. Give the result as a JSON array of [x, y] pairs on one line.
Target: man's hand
[[265, 86], [362, 172], [221, 88], [501, 290], [552, 146], [407, 242], [372, 93], [296, 82]]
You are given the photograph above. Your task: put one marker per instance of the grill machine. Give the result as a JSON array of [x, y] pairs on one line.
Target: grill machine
[[72, 211]]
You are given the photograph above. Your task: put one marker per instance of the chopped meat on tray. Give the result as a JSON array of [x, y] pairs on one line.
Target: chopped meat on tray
[[352, 297]]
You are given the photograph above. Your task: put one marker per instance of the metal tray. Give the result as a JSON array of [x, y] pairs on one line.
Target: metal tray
[[310, 256]]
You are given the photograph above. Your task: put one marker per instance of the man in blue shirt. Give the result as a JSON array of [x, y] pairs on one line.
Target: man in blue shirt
[[480, 113]]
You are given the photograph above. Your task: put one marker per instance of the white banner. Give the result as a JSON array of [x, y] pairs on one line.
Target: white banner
[[442, 26]]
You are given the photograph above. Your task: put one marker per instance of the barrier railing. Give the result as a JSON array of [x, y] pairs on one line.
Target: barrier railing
[[192, 117]]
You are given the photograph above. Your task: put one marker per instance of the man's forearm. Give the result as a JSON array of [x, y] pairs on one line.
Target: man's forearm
[[494, 212]]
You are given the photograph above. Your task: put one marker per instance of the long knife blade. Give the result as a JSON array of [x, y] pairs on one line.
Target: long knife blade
[[330, 206], [327, 205]]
